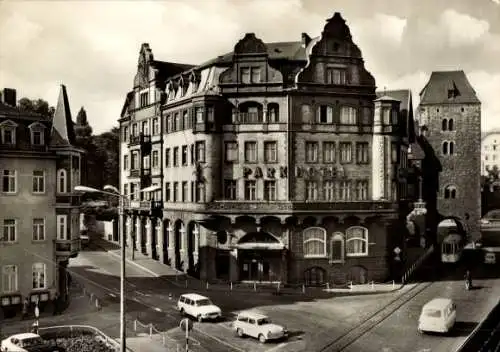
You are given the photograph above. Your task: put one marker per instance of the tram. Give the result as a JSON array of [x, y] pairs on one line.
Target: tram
[[452, 248]]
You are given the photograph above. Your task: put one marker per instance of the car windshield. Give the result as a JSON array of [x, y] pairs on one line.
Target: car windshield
[[263, 321], [432, 313], [494, 214], [32, 341], [204, 302]]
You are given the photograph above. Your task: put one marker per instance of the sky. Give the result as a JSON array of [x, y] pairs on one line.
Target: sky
[[93, 46]]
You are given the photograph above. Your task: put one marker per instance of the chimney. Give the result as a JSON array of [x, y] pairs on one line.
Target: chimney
[[306, 39], [9, 97]]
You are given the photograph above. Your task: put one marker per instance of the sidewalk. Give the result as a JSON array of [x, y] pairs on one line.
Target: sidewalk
[[182, 280]]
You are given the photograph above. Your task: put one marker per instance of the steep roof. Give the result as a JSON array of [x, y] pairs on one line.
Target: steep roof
[[436, 91], [11, 111], [275, 50], [403, 95], [63, 132]]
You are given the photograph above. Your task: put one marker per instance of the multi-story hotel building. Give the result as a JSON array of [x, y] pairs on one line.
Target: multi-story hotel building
[[276, 162], [39, 214]]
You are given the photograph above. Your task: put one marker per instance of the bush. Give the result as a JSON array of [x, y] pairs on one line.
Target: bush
[[82, 343]]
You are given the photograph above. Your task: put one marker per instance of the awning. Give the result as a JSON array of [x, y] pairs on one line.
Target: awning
[[260, 245]]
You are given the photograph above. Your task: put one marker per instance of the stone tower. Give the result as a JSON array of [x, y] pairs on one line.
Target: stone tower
[[449, 113]]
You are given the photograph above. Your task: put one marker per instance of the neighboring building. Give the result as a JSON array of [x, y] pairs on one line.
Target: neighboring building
[[276, 162], [449, 116], [39, 211], [490, 151]]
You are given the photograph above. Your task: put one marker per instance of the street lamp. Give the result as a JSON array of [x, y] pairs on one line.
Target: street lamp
[[113, 191]]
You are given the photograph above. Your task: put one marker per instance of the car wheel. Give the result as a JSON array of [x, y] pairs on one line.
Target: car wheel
[[182, 311], [200, 318], [420, 331], [262, 338], [240, 332]]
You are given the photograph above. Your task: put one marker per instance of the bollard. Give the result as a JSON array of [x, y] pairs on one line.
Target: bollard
[[303, 288], [279, 284], [350, 285], [231, 285], [150, 330], [373, 285], [97, 305], [393, 285], [163, 339], [186, 283], [328, 286], [254, 286], [135, 325], [91, 297], [207, 285]]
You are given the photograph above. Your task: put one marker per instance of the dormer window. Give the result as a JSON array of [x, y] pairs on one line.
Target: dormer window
[[37, 135], [144, 99], [8, 132]]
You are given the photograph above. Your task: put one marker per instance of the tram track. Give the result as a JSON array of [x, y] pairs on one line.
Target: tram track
[[348, 338]]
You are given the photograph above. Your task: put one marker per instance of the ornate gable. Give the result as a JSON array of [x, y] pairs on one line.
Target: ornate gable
[[336, 51], [250, 44], [250, 64], [143, 67], [36, 126], [8, 123]]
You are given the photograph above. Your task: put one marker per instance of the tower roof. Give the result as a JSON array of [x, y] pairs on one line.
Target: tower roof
[[442, 83], [62, 125]]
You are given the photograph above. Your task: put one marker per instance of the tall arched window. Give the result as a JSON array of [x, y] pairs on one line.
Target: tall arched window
[[314, 244], [356, 241], [450, 125], [62, 181], [337, 248], [444, 125], [451, 148], [450, 192], [306, 113], [445, 148]]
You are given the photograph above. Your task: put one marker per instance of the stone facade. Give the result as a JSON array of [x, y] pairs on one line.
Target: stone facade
[[449, 116], [264, 159]]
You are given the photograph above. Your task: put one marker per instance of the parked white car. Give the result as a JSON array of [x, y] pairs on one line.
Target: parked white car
[[258, 326], [198, 307], [24, 343]]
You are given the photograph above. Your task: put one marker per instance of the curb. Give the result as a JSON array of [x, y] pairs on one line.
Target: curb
[[149, 271]]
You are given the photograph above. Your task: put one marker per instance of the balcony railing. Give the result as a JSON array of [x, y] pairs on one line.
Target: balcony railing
[[72, 200], [151, 205], [67, 247], [140, 139], [134, 173], [315, 206]]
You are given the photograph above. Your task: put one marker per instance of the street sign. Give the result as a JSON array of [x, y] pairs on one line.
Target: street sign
[[186, 324]]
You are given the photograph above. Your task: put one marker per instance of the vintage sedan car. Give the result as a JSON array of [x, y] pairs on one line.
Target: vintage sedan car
[[198, 307], [28, 342], [490, 223], [258, 326]]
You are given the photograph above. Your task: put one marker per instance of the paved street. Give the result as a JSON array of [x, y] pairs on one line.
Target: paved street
[[348, 321], [308, 320], [399, 331]]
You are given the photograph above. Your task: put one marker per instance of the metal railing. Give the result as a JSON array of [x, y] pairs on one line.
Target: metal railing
[[407, 275], [152, 330]]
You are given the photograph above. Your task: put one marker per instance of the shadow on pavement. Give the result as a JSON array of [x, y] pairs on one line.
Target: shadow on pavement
[[435, 270]]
